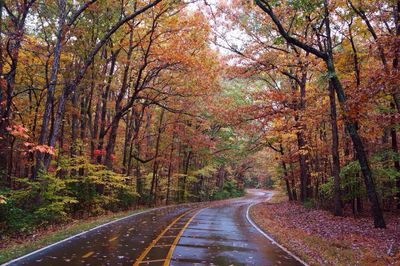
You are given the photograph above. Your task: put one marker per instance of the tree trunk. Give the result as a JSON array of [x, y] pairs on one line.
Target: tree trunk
[[379, 221], [286, 175], [396, 98], [395, 149], [56, 126], [350, 125], [118, 107], [288, 189], [74, 127], [170, 171], [376, 210], [52, 86], [304, 188], [338, 210], [104, 101], [109, 160], [155, 163]]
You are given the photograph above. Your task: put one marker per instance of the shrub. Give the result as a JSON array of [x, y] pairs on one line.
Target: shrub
[[229, 190], [35, 202]]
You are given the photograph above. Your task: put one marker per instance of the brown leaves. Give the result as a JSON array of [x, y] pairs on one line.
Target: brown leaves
[[324, 238]]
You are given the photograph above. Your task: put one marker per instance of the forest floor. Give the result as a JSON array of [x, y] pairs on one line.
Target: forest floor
[[320, 238]]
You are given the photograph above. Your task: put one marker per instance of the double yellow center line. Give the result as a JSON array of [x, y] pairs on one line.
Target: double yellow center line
[[167, 260], [172, 248]]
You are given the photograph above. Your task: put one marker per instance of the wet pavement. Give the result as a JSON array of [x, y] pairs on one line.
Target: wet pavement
[[119, 243], [192, 234], [222, 235]]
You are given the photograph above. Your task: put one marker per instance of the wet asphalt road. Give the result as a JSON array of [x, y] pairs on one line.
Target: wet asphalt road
[[196, 234], [222, 235]]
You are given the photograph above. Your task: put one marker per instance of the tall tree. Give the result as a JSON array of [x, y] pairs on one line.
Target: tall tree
[[327, 56]]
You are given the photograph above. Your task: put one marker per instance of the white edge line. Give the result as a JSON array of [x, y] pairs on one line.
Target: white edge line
[[145, 211], [269, 237], [81, 233]]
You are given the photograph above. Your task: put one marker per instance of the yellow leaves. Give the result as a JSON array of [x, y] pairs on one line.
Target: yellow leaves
[[3, 199], [288, 135], [303, 152], [314, 174]]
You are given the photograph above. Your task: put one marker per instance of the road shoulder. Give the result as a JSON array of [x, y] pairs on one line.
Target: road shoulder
[[341, 241]]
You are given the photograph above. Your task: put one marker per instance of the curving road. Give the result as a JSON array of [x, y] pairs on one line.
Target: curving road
[[191, 234]]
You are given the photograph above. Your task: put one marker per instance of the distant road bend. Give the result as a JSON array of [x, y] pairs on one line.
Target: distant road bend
[[191, 234]]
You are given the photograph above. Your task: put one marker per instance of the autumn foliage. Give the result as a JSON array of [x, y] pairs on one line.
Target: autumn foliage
[[108, 105], [105, 106], [321, 80]]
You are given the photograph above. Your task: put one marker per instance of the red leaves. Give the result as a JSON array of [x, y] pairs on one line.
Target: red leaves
[[99, 152]]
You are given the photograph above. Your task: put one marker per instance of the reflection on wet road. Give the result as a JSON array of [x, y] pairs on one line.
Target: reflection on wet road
[[119, 243], [195, 234], [222, 235]]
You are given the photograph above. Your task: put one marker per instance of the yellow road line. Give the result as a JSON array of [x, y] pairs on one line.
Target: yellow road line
[[150, 261], [112, 239], [87, 255], [153, 243], [172, 248]]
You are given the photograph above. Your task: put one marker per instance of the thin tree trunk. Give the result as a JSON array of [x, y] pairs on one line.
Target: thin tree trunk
[[396, 162], [40, 165], [155, 163], [170, 171], [74, 127], [396, 98], [71, 85], [285, 174], [104, 101], [338, 210], [303, 168]]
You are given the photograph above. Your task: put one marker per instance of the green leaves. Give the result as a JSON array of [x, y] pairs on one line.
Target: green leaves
[[279, 40], [384, 173], [36, 202], [305, 5], [51, 198]]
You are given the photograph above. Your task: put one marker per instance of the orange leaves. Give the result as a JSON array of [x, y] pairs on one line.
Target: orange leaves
[[21, 133], [32, 148], [43, 149], [18, 131]]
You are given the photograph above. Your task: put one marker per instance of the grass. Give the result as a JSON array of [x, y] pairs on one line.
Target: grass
[[15, 250]]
